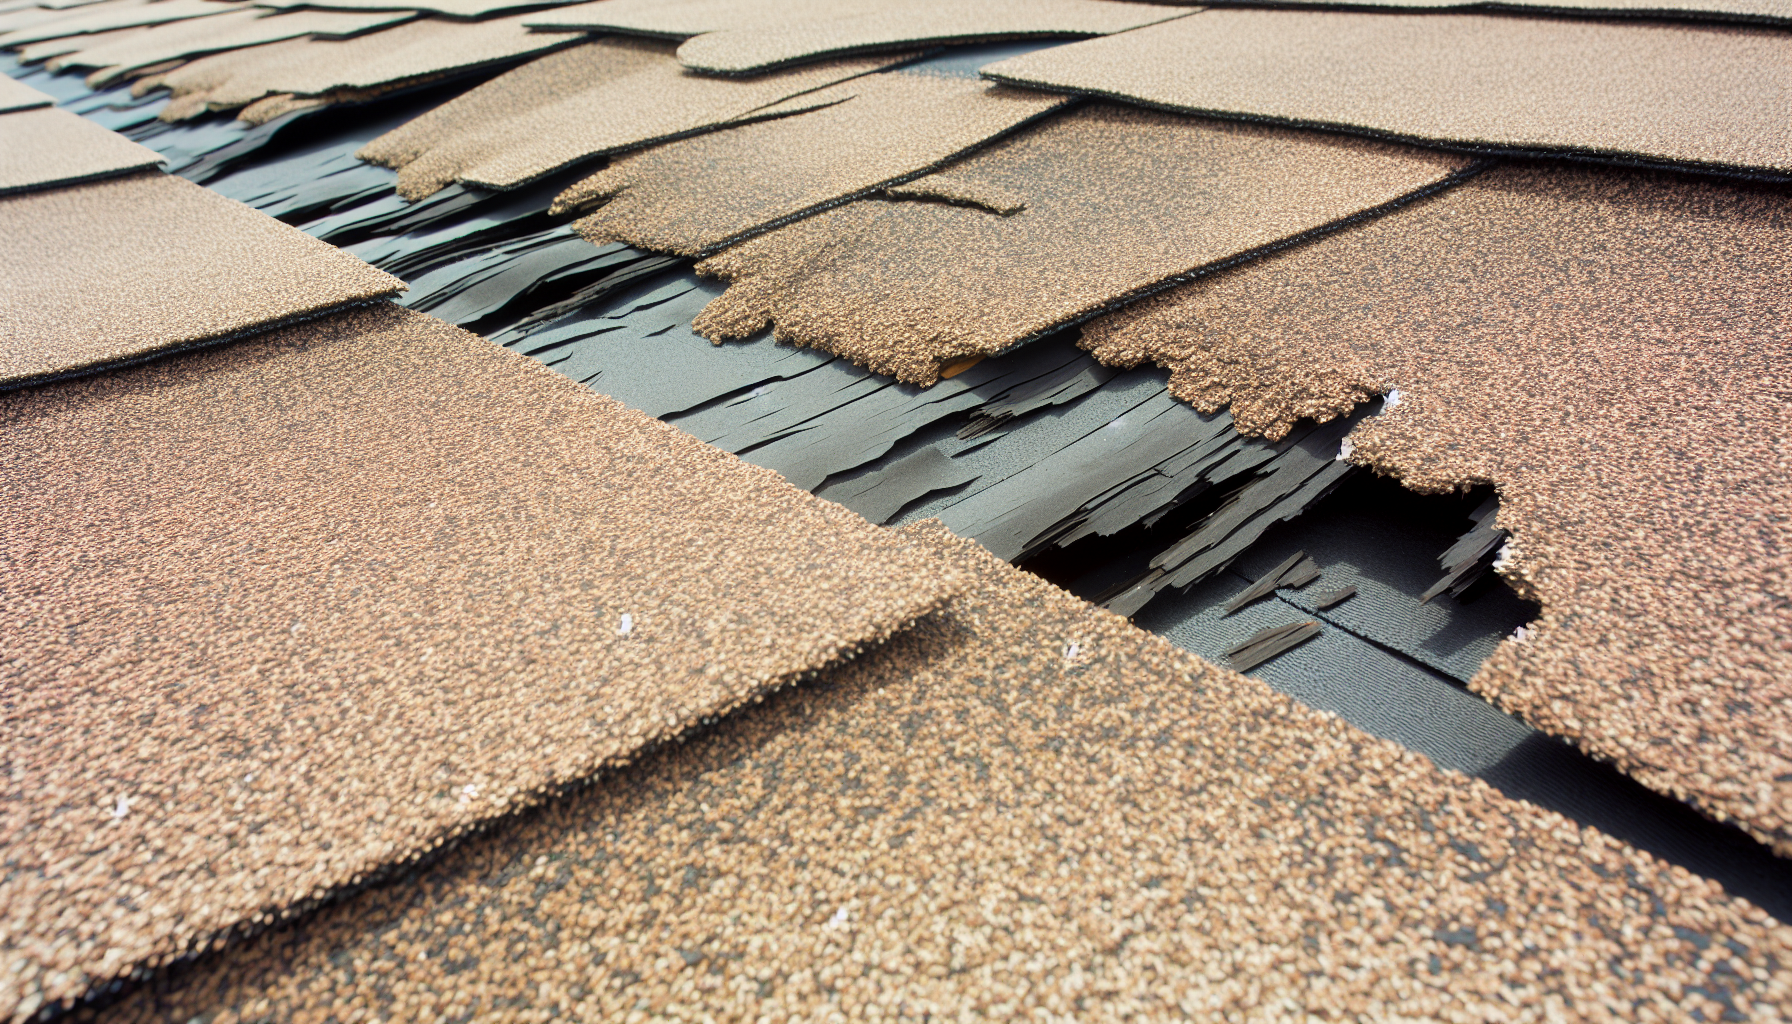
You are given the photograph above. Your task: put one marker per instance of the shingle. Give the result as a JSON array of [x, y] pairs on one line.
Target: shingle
[[599, 98], [286, 614], [233, 31], [702, 193], [45, 148], [1608, 348], [1021, 809], [1766, 11], [115, 271], [1632, 91], [107, 17], [1119, 202], [768, 41], [316, 67], [16, 95]]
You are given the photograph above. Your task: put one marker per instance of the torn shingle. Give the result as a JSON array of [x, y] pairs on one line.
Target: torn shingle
[[1266, 644], [109, 272], [701, 194], [598, 98], [904, 287], [407, 53], [311, 605], [1698, 96], [965, 823], [45, 148], [447, 8], [1608, 348]]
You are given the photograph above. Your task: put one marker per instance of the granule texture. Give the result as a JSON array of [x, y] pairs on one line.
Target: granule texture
[[1609, 349], [702, 193], [233, 31], [1663, 93], [114, 271], [285, 614], [16, 95], [599, 98], [1119, 202], [1023, 808], [44, 147], [314, 67]]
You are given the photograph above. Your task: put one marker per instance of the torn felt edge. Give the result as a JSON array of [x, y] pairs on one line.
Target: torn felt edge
[[901, 179], [1487, 150]]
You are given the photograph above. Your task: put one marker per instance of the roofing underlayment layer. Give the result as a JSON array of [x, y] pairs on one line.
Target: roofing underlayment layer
[[1118, 201], [43, 147], [1663, 93], [110, 16], [1022, 808], [602, 97], [748, 36], [1609, 349], [284, 614], [114, 271], [702, 193], [416, 50], [183, 40]]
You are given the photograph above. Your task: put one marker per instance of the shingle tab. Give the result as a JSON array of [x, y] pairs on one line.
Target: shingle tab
[[43, 147], [1700, 96], [282, 615], [116, 271], [1118, 202]]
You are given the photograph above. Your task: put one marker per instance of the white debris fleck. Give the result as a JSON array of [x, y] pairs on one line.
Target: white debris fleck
[[1117, 423], [1521, 635], [627, 625], [123, 808], [838, 919], [1504, 559], [468, 792], [1345, 448], [1072, 651], [1391, 399]]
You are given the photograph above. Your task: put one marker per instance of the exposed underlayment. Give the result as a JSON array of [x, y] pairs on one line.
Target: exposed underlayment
[[16, 95], [188, 39], [112, 16], [1766, 11], [400, 55], [905, 287], [700, 194], [307, 568], [1700, 96], [1630, 411], [42, 147], [1022, 807], [596, 99], [750, 36], [106, 272]]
